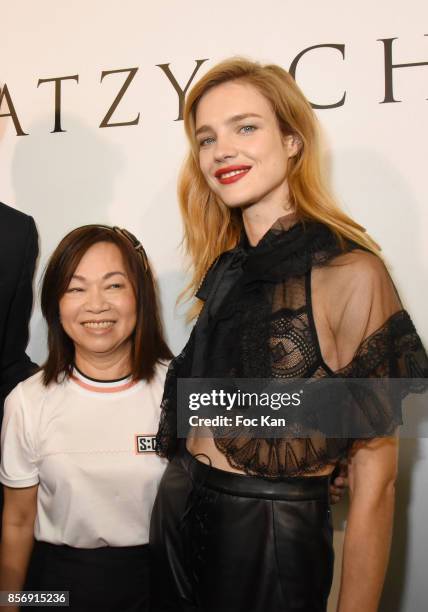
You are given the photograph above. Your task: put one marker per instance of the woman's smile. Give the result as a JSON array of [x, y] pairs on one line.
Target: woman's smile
[[231, 174], [98, 326]]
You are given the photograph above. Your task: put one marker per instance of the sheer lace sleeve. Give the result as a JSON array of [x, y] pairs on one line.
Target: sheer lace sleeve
[[375, 339], [374, 336]]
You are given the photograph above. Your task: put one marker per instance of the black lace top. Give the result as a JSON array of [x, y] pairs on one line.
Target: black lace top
[[258, 322]]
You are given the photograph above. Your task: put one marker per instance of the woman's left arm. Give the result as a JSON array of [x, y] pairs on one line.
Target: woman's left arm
[[372, 475], [374, 339]]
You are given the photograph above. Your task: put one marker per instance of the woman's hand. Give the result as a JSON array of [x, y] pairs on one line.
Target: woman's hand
[[339, 482]]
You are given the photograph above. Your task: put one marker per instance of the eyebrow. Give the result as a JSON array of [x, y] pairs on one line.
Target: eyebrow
[[105, 277], [234, 119]]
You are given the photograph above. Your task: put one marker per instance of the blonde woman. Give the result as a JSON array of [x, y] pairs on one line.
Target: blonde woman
[[297, 290]]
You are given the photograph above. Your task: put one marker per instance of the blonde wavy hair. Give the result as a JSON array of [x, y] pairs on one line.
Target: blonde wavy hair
[[210, 227]]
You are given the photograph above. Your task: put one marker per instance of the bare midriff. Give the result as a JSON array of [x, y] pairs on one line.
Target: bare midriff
[[204, 450]]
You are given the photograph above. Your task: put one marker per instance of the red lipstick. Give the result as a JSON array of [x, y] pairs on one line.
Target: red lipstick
[[241, 171]]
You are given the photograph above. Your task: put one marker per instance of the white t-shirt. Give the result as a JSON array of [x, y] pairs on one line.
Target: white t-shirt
[[90, 447]]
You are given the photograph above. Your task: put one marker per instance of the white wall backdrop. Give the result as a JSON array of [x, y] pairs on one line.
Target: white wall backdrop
[[375, 152]]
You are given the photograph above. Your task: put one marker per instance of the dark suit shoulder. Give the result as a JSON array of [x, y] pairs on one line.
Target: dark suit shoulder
[[18, 244], [13, 217]]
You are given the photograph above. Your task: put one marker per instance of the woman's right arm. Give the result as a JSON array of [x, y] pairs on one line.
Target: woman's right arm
[[19, 513]]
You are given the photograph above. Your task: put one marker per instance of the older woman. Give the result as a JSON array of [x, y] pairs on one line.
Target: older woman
[[78, 463], [297, 290]]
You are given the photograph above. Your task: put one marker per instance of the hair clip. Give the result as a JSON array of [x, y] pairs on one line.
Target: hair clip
[[135, 243]]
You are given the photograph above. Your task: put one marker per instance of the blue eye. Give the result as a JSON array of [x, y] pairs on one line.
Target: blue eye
[[247, 129], [206, 141]]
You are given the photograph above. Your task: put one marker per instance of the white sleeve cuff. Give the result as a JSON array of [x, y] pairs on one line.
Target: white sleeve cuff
[[20, 483]]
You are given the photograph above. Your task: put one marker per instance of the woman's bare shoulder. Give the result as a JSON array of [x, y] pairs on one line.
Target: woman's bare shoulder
[[353, 269], [357, 260], [352, 288]]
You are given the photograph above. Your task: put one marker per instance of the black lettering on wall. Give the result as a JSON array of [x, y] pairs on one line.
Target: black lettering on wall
[[389, 67], [4, 93], [57, 81], [181, 92], [105, 122], [293, 66]]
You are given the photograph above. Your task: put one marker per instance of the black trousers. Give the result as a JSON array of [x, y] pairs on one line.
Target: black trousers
[[112, 579], [225, 542]]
